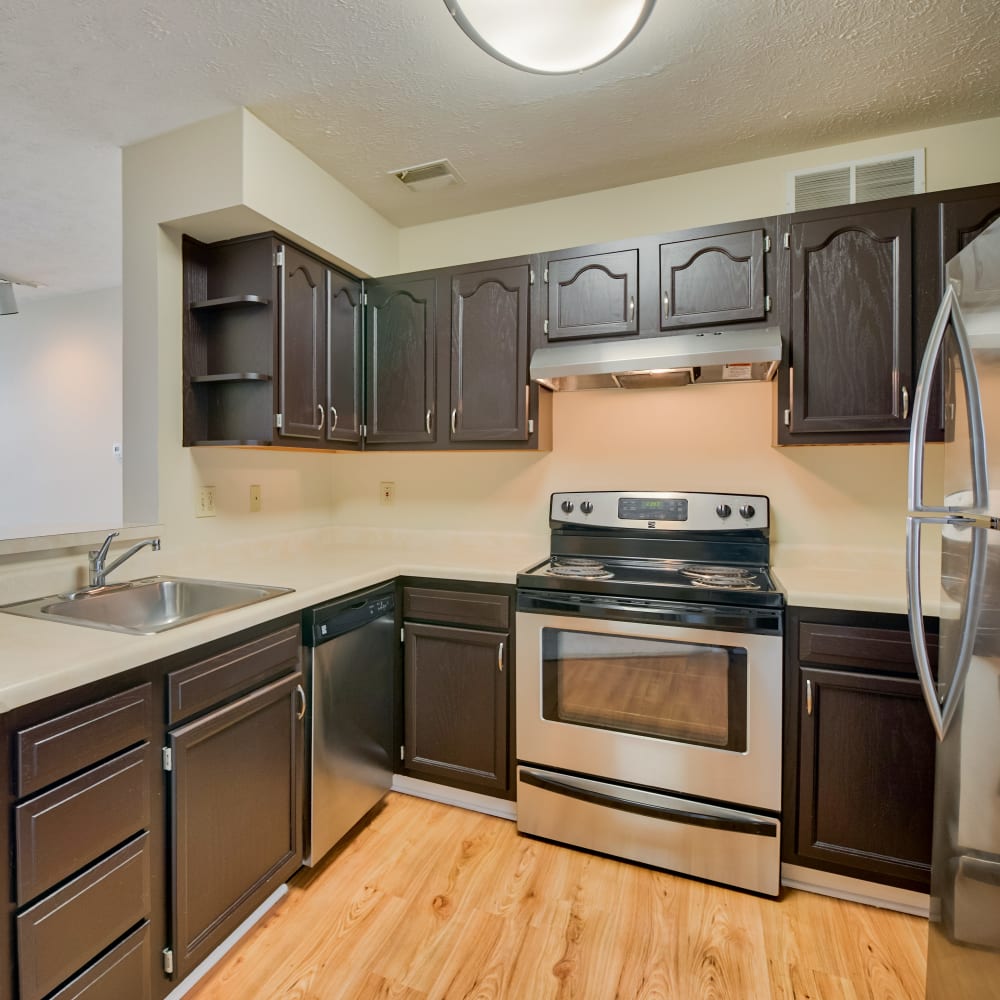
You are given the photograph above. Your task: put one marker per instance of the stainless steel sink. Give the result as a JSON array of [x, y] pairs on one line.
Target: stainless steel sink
[[143, 607]]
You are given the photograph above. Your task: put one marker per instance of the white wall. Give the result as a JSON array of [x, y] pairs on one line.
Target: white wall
[[61, 414]]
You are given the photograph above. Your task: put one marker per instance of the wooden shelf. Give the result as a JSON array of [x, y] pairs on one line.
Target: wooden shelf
[[231, 377], [230, 301], [233, 443]]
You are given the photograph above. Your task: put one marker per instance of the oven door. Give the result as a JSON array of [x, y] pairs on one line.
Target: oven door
[[690, 710]]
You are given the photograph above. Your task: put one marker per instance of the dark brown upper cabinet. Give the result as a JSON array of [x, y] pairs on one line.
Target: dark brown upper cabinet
[[344, 342], [713, 279], [401, 349], [851, 325], [301, 345], [489, 354], [591, 294], [272, 346]]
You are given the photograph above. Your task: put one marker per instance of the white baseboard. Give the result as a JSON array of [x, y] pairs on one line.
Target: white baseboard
[[856, 890], [202, 970], [503, 808]]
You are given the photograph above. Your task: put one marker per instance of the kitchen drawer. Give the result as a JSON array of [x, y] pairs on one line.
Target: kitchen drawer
[[61, 933], [210, 682], [62, 746], [121, 974], [883, 650], [457, 607], [67, 827]]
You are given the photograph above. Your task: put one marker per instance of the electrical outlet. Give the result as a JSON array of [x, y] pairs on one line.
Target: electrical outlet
[[254, 499], [386, 493], [205, 504]]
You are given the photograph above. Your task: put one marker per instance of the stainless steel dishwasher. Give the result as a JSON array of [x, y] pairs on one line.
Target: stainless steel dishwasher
[[352, 644]]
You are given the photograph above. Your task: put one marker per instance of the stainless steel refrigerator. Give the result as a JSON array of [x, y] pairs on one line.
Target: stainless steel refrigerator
[[963, 697]]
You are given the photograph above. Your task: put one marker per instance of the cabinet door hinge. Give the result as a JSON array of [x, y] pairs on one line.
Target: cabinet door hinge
[[788, 418], [278, 421], [279, 257], [531, 275], [364, 298], [402, 753], [531, 426], [767, 243], [364, 430], [545, 326], [767, 303], [168, 961], [168, 759], [402, 635], [788, 241], [546, 276]]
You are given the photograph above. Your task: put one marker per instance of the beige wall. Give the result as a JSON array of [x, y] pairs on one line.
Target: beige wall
[[695, 438], [222, 178]]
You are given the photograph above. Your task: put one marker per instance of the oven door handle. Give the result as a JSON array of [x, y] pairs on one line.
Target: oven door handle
[[748, 825]]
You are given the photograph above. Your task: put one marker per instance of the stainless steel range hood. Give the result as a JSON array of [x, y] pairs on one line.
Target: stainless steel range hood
[[656, 362]]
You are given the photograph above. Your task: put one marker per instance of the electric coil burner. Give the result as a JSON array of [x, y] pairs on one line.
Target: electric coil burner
[[649, 658]]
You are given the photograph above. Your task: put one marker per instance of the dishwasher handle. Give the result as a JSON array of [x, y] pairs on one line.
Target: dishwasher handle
[[327, 621]]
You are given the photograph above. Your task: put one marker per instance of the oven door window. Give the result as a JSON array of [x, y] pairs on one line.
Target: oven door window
[[671, 690]]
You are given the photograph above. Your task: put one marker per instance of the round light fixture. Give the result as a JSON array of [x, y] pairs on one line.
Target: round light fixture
[[551, 36]]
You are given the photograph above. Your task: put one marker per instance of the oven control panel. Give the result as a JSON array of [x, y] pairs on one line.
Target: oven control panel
[[657, 511]]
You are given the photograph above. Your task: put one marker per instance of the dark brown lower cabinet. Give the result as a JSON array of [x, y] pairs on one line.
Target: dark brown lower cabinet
[[455, 697], [859, 782], [235, 789]]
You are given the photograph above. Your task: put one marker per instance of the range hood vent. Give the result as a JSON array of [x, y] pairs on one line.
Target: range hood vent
[[659, 362]]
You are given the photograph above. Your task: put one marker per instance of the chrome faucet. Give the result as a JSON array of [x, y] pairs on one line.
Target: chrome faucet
[[97, 557]]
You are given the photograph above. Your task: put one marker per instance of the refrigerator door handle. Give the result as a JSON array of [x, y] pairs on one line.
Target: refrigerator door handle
[[948, 312], [942, 711]]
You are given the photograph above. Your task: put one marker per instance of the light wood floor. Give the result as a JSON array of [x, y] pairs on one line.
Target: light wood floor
[[431, 902]]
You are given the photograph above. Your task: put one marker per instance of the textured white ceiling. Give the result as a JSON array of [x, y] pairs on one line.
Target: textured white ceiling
[[368, 86]]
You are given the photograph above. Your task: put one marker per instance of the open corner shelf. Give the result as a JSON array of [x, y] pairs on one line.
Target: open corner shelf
[[230, 301], [231, 377]]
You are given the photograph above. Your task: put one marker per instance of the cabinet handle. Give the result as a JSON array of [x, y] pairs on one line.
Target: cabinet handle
[[666, 306], [631, 305], [333, 419], [906, 402], [809, 697], [427, 421], [500, 657], [454, 420], [322, 416], [301, 713]]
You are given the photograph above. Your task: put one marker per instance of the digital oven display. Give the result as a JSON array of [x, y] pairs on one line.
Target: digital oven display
[[651, 509]]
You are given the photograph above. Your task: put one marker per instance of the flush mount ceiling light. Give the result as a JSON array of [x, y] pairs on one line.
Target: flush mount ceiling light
[[551, 36]]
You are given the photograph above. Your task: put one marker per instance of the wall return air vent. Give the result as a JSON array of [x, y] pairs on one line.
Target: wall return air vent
[[858, 180], [428, 176]]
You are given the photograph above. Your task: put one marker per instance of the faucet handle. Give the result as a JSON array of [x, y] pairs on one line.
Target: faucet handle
[[102, 552]]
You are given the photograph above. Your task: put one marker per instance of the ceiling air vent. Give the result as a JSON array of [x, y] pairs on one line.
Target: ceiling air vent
[[859, 180], [428, 176]]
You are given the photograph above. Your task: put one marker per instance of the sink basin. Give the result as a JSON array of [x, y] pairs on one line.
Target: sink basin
[[144, 607]]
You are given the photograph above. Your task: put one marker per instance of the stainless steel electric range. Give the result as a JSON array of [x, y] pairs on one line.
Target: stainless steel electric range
[[649, 663]]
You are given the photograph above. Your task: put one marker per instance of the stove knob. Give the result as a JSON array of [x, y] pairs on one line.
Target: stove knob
[[723, 510], [587, 507], [747, 511], [567, 506]]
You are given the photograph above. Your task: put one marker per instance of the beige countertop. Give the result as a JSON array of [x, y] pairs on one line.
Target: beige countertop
[[39, 659]]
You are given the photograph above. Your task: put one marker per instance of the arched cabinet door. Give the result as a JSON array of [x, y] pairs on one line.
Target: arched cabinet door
[[344, 338], [301, 348], [489, 354], [851, 321], [712, 279], [592, 294], [400, 333]]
